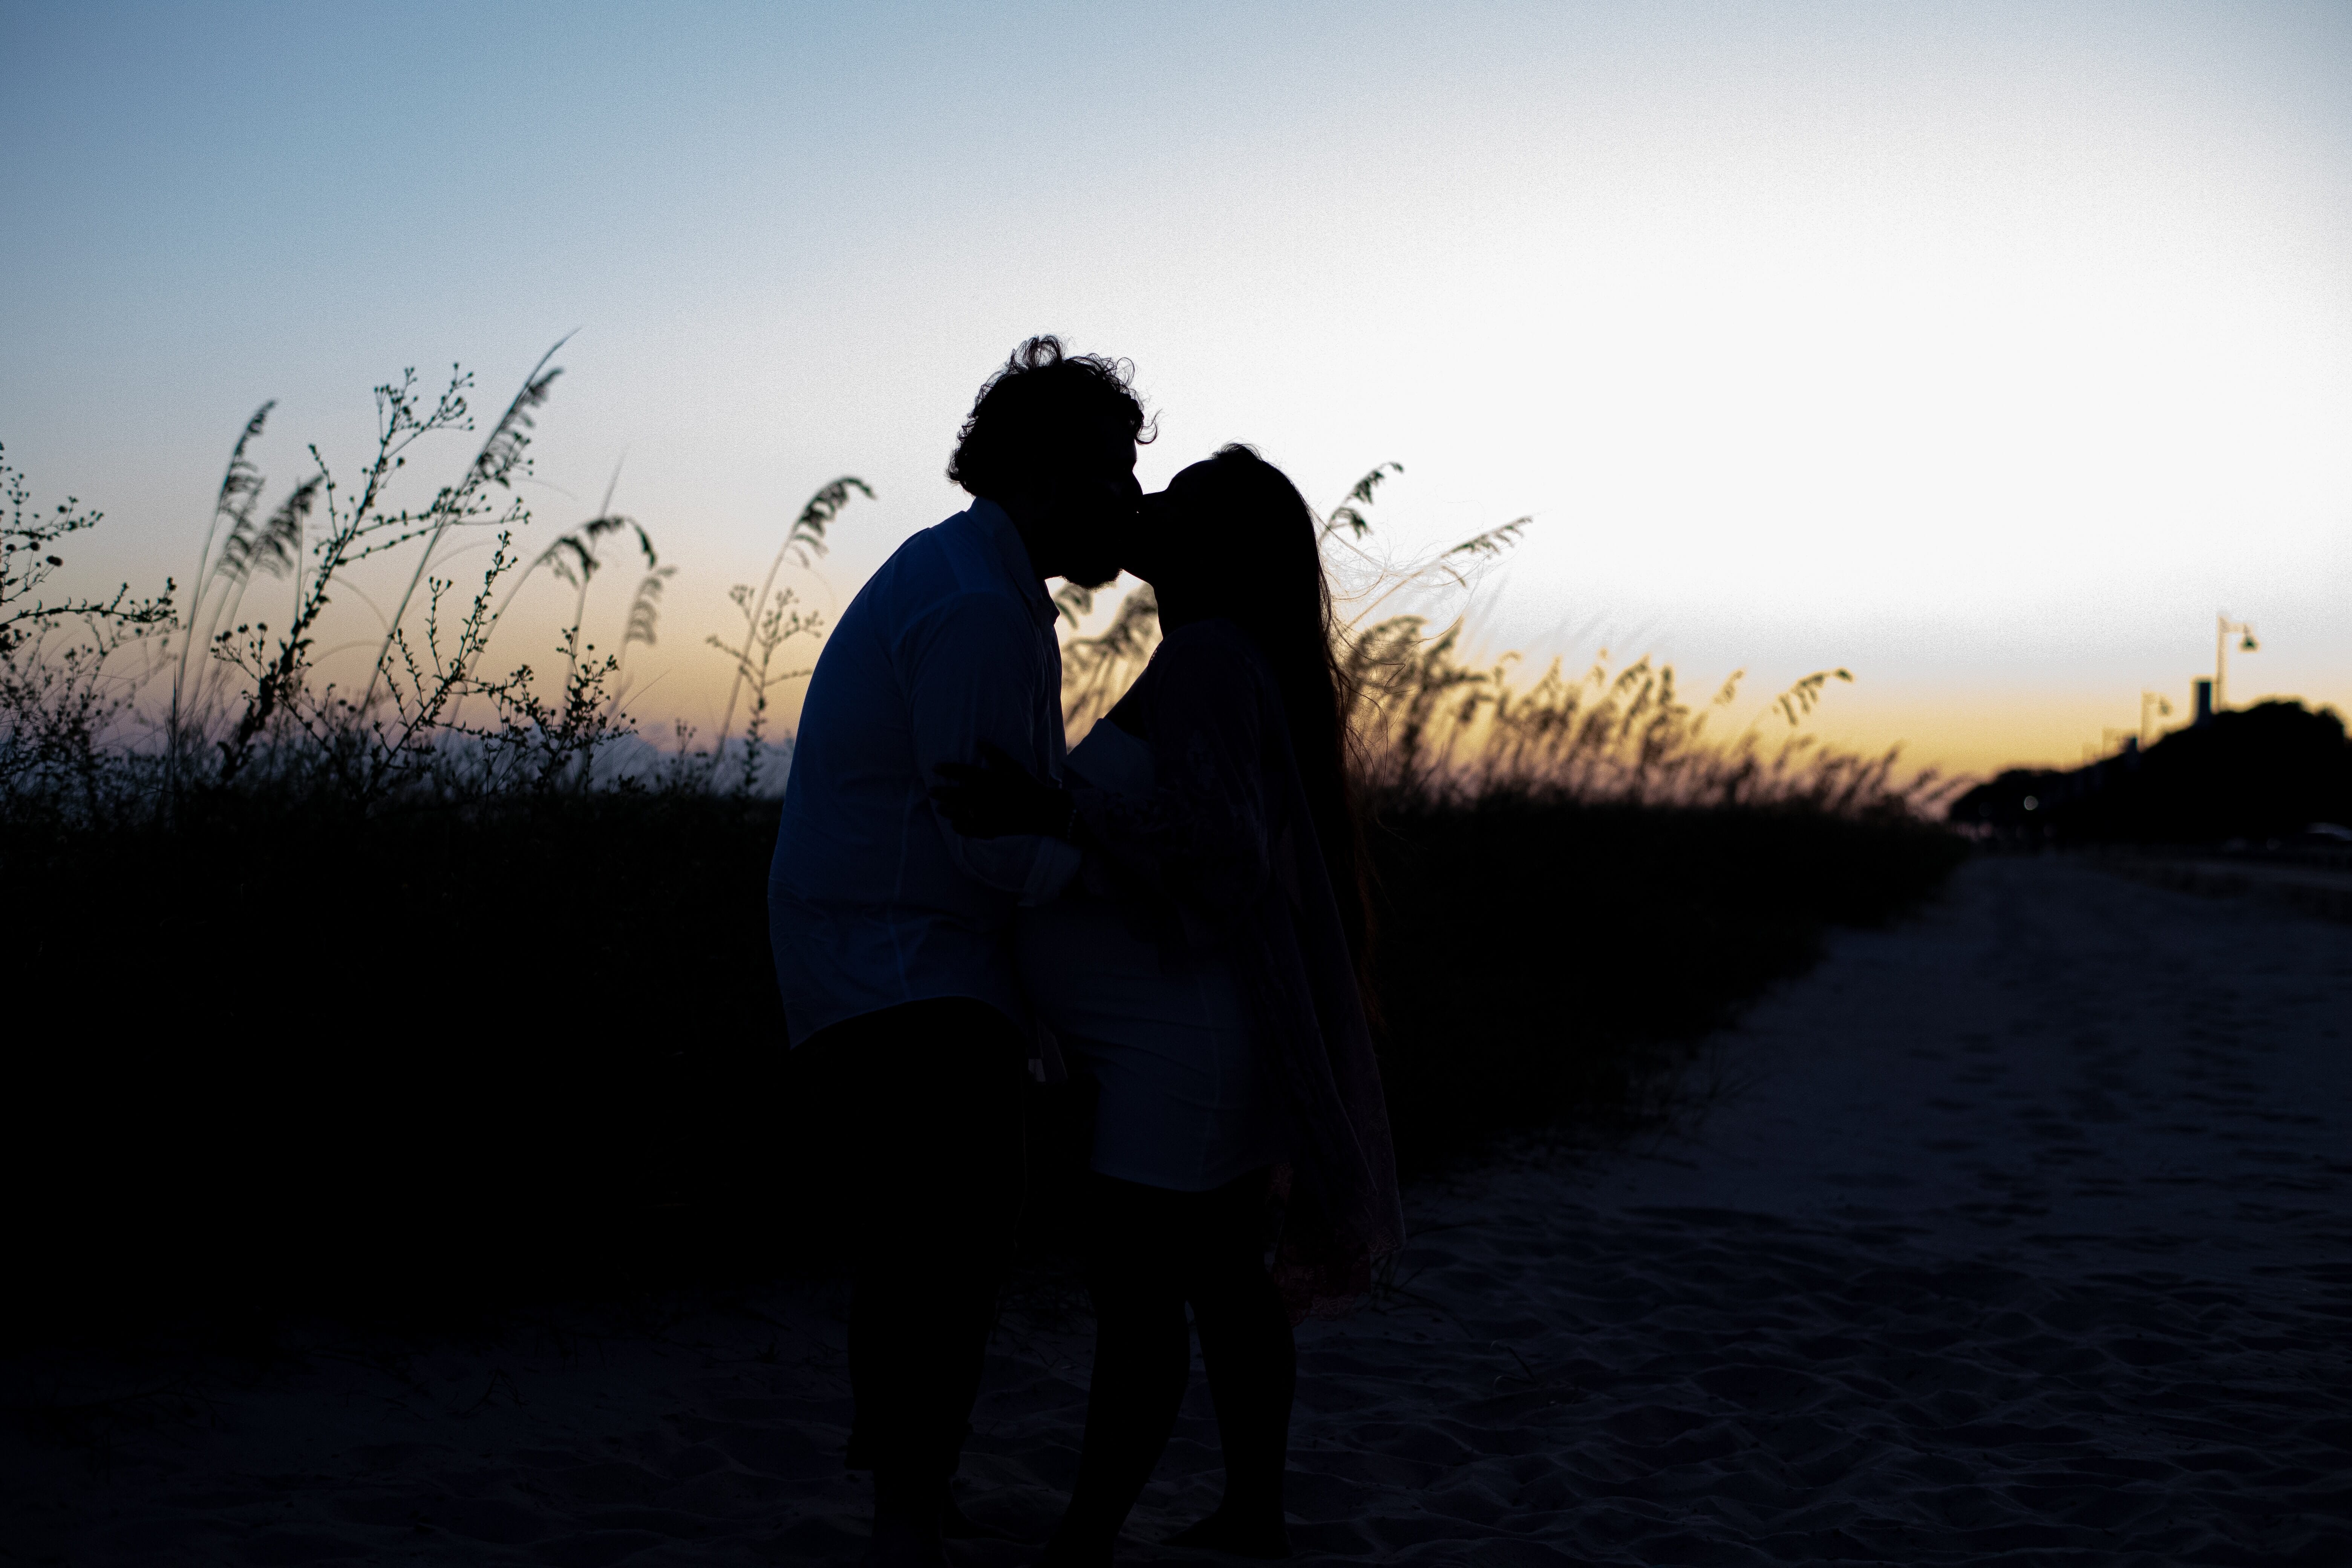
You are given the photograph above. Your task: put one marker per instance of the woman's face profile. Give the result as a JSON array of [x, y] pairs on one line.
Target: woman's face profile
[[1174, 539]]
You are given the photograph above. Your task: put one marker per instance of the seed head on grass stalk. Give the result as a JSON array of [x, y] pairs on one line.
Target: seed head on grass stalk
[[273, 547], [769, 621], [1433, 726], [364, 749], [496, 463], [240, 492], [574, 560], [354, 531], [1438, 730], [644, 607], [1347, 515]]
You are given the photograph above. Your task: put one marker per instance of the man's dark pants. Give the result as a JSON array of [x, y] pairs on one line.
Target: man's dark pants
[[921, 1105]]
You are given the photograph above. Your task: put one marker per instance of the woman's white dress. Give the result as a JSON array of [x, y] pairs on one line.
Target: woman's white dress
[[1159, 1021]]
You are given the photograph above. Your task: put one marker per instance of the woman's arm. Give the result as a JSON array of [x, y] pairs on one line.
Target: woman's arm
[[1200, 837]]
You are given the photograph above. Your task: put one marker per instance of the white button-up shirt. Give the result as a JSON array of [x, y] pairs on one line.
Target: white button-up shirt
[[873, 900]]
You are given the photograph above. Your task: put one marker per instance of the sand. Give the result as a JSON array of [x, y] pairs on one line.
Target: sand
[[2020, 1234]]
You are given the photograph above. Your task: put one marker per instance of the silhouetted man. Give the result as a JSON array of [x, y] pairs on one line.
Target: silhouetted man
[[890, 930]]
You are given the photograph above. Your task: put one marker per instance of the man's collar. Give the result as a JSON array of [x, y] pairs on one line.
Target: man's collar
[[998, 522]]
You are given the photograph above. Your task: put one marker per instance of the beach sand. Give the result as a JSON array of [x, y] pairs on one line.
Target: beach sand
[[2020, 1234]]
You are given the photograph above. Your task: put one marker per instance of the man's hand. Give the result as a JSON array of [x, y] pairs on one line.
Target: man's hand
[[998, 798]]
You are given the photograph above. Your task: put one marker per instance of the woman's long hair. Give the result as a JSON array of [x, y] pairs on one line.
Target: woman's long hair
[[1276, 591]]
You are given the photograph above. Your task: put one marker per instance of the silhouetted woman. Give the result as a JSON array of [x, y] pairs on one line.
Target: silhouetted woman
[[1206, 970]]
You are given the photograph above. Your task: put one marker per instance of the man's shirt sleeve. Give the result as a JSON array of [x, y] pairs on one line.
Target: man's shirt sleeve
[[974, 669]]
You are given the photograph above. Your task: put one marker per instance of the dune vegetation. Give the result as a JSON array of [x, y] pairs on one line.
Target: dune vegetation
[[437, 979]]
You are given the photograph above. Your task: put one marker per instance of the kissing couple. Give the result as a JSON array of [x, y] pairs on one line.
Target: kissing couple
[[1177, 909]]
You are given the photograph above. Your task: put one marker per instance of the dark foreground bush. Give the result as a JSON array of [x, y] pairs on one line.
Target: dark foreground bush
[[283, 1061], [282, 1052]]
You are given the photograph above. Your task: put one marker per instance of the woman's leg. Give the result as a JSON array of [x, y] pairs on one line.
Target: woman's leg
[[1252, 1367], [1143, 1357]]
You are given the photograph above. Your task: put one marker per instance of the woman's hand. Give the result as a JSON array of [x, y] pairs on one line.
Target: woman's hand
[[999, 798]]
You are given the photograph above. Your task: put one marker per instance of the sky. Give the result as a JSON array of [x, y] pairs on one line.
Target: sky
[[1987, 351]]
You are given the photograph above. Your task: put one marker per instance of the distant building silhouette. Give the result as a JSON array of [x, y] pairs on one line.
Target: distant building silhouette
[[2259, 774]]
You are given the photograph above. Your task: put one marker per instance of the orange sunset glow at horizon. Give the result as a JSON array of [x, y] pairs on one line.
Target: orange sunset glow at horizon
[[1993, 355]]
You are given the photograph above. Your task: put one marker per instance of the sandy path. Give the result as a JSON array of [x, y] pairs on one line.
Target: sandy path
[[2025, 1235]]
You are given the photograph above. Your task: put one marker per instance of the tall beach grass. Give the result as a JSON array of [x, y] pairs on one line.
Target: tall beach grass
[[379, 982]]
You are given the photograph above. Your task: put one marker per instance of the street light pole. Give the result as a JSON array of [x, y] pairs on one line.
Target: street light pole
[[2225, 626]]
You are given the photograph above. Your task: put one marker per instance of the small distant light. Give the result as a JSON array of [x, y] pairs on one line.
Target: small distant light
[[2031, 804]]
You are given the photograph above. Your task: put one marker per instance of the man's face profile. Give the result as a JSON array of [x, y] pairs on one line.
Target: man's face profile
[[1093, 510]]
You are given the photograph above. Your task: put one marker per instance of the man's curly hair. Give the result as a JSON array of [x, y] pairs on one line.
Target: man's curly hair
[[1032, 413]]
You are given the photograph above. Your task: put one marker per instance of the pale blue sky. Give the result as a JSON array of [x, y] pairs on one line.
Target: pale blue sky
[[1986, 350]]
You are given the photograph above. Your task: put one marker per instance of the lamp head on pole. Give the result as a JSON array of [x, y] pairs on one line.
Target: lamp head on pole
[[2248, 645]]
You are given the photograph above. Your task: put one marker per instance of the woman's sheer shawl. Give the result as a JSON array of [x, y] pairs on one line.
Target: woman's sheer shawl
[[1225, 843]]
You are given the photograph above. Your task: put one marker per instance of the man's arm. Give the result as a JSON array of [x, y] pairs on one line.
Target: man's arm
[[975, 673]]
